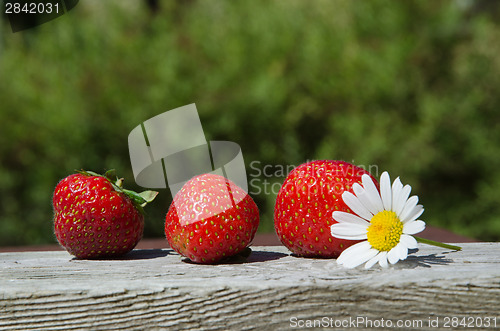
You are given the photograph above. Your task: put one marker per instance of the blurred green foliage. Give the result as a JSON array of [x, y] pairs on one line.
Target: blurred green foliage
[[412, 87]]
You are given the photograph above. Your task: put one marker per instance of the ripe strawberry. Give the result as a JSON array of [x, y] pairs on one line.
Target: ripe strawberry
[[304, 206], [94, 217], [210, 219]]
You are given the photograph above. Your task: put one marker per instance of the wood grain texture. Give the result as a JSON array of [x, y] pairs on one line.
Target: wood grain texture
[[156, 289]]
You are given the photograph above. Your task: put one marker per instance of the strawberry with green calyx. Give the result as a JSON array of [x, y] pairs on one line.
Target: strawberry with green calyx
[[211, 219], [305, 203], [94, 216]]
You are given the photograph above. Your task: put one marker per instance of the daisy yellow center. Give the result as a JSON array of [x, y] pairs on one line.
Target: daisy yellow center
[[385, 230]]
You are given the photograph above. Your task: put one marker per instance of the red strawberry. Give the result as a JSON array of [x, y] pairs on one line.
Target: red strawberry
[[94, 217], [211, 218], [304, 206]]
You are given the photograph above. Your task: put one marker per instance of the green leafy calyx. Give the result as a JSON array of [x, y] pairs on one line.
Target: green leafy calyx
[[139, 200]]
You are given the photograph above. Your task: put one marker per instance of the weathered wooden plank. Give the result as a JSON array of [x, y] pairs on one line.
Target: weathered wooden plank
[[273, 290]]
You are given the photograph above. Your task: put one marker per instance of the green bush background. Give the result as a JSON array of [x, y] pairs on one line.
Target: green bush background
[[412, 87]]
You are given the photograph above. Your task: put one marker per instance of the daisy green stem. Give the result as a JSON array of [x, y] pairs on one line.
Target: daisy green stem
[[437, 243]]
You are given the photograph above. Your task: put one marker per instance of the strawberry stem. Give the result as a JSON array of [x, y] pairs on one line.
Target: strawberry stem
[[437, 243]]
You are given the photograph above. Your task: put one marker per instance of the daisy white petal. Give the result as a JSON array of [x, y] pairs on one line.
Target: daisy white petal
[[363, 198], [371, 262], [393, 255], [397, 187], [343, 217], [356, 206], [408, 241], [348, 231], [385, 190], [382, 260], [410, 204], [361, 258], [402, 250], [372, 193], [413, 227], [356, 187], [414, 214], [353, 251], [400, 202]]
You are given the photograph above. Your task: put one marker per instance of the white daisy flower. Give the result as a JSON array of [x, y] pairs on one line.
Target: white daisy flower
[[386, 220]]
